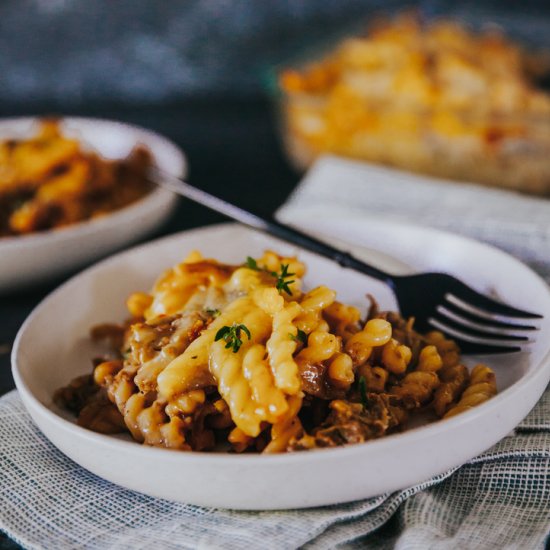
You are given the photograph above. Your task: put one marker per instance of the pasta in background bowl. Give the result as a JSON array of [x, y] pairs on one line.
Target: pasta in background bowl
[[47, 355], [50, 180]]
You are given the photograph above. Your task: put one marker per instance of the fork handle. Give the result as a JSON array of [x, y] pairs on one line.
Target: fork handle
[[345, 259], [271, 226]]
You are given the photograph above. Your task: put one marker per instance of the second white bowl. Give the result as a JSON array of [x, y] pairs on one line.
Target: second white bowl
[[38, 257]]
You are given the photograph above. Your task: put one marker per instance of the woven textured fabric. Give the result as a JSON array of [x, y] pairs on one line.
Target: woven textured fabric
[[337, 187], [48, 501], [500, 499]]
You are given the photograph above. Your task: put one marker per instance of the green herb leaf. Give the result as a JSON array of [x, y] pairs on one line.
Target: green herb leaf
[[251, 263], [363, 391], [282, 284], [232, 336], [301, 336], [244, 329], [222, 333]]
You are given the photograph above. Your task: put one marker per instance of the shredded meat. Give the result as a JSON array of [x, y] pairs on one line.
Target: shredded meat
[[350, 423], [89, 402], [76, 394], [110, 333], [315, 381]]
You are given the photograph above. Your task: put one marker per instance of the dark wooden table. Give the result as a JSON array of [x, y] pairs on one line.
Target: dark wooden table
[[233, 151]]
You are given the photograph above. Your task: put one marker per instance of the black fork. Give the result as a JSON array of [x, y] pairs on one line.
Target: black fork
[[477, 323]]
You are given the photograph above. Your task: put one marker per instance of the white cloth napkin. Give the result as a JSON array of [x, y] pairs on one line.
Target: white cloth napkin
[[336, 187], [499, 499]]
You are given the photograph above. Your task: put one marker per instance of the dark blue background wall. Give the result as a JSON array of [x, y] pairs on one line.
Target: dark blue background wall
[[73, 52]]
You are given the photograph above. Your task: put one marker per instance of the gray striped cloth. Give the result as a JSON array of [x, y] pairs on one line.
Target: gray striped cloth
[[500, 499]]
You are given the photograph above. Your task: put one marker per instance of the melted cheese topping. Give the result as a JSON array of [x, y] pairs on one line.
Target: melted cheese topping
[[256, 380]]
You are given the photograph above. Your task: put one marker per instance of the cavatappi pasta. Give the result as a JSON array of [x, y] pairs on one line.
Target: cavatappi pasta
[[240, 357]]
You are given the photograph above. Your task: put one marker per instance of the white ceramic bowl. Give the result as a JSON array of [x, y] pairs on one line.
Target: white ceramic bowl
[[40, 256], [53, 346]]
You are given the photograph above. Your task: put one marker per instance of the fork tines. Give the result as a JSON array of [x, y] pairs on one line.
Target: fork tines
[[480, 330]]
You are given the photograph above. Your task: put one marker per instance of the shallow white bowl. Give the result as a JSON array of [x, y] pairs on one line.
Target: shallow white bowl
[[40, 256], [53, 346]]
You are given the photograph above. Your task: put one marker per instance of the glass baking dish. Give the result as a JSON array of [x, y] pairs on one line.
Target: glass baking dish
[[436, 99]]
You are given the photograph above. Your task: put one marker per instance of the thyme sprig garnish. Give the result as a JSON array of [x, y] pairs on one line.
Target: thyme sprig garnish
[[282, 284], [231, 335], [300, 336]]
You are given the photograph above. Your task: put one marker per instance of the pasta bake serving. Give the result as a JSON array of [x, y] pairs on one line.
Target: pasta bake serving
[[51, 180], [242, 358], [436, 98]]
